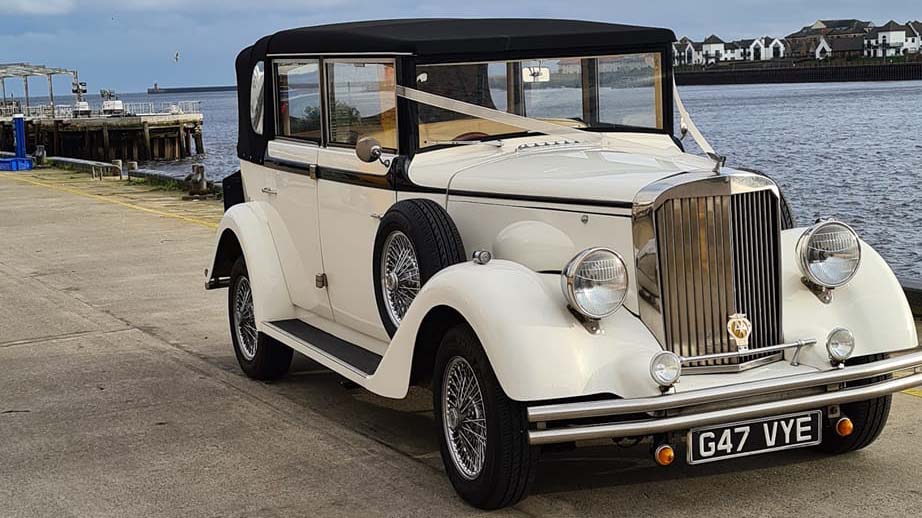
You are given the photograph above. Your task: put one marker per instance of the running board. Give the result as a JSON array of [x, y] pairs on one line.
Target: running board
[[323, 347]]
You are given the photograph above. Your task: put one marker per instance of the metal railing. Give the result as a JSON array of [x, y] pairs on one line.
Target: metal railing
[[160, 108], [37, 111], [66, 111]]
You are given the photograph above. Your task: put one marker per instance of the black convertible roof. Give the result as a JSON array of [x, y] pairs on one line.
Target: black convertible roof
[[456, 39], [454, 36]]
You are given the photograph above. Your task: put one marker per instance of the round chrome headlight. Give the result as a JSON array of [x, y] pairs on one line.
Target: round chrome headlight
[[840, 344], [595, 282], [829, 254], [665, 368]]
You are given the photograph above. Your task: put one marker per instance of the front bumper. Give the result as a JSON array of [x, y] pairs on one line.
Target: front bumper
[[566, 422]]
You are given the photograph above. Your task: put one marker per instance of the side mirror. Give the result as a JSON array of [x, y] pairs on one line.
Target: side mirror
[[368, 149]]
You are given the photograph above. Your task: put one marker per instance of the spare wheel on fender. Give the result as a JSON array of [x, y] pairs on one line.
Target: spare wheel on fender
[[415, 240]]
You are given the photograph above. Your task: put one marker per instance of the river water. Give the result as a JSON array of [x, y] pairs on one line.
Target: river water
[[849, 150]]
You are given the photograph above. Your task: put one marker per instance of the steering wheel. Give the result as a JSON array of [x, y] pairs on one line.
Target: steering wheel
[[471, 135]]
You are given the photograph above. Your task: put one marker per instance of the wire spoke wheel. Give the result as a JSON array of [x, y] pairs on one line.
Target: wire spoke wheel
[[463, 418], [244, 318], [400, 278]]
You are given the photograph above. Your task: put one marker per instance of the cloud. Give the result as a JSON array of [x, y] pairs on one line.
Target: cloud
[[31, 7], [65, 7]]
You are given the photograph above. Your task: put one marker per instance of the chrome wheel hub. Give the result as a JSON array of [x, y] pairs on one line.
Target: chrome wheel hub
[[454, 419], [244, 319], [463, 418], [399, 275], [391, 282]]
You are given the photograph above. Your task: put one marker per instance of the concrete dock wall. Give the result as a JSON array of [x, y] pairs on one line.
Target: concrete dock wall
[[798, 73]]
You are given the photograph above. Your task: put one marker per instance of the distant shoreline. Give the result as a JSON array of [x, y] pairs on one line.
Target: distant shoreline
[[723, 75], [190, 89]]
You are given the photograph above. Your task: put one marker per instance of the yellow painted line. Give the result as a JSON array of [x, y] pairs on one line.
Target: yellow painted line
[[917, 392], [913, 392], [107, 199]]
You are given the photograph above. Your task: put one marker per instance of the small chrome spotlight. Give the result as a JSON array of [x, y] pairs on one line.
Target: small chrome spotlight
[[666, 368], [840, 344]]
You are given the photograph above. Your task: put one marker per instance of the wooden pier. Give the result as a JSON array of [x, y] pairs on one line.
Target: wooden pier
[[129, 137]]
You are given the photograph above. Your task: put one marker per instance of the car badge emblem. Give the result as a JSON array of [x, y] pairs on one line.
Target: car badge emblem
[[739, 328]]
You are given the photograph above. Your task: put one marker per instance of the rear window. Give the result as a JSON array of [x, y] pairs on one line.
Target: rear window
[[257, 96]]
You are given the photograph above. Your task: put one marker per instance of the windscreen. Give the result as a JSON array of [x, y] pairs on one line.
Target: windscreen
[[600, 93]]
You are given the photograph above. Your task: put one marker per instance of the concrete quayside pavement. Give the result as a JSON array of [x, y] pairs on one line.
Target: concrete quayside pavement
[[120, 396]]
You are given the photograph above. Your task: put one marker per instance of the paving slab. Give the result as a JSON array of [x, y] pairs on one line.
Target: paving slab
[[120, 396]]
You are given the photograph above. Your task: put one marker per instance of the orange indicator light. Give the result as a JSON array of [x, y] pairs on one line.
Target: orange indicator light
[[664, 455], [844, 427]]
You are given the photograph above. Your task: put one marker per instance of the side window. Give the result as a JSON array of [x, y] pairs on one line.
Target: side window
[[298, 94], [257, 97], [363, 103]]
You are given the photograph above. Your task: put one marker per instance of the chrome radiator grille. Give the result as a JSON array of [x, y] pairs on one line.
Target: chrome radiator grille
[[718, 255]]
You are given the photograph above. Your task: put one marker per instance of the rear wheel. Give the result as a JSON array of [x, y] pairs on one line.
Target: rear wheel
[[260, 356], [868, 417], [482, 433]]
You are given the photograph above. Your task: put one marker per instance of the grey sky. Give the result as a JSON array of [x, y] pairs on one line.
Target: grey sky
[[130, 44]]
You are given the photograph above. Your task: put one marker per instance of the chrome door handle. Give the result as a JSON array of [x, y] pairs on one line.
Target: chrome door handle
[[269, 190]]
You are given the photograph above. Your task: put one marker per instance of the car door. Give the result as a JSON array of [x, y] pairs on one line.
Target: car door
[[294, 153], [353, 195]]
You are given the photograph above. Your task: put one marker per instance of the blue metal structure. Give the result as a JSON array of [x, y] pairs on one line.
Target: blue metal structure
[[21, 162], [19, 135]]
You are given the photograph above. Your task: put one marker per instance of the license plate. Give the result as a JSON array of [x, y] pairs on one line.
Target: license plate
[[764, 435]]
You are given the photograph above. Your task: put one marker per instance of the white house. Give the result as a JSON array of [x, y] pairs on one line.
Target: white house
[[914, 37], [887, 41], [698, 56], [757, 50], [678, 54], [714, 49], [823, 49], [683, 52], [733, 51], [775, 48]]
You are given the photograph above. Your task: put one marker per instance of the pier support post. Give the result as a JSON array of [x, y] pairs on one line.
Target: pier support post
[[56, 136], [187, 136], [105, 142], [147, 154], [199, 143], [183, 150], [86, 144]]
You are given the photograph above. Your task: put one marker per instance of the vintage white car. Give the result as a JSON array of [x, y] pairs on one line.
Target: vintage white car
[[503, 210]]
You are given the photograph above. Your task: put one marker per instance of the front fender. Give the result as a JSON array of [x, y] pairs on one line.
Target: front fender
[[248, 223], [872, 305], [537, 348], [540, 352]]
